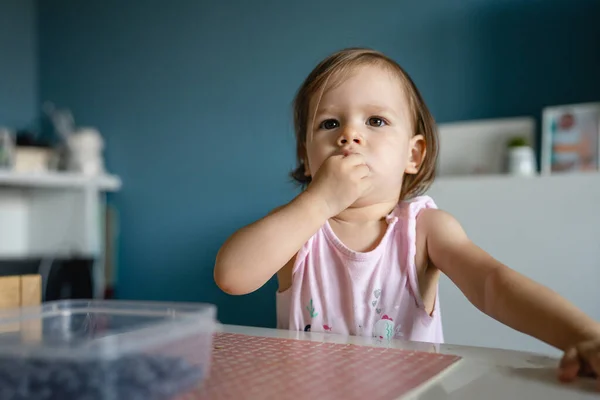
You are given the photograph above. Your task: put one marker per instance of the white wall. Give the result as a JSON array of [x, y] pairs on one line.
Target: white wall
[[547, 228]]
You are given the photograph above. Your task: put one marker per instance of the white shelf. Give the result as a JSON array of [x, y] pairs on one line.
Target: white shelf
[[58, 180], [55, 213], [480, 145], [590, 176]]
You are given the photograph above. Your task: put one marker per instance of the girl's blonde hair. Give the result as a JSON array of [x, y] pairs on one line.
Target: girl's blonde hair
[[334, 67]]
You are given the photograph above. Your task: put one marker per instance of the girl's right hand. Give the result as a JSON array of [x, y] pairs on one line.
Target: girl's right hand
[[340, 181]]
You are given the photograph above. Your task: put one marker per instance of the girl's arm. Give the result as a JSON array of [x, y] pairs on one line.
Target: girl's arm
[[252, 255], [501, 292]]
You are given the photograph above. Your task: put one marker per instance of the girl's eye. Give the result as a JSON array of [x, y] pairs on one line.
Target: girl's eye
[[376, 121], [329, 124]]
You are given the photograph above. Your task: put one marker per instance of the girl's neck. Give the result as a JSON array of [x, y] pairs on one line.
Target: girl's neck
[[366, 214], [362, 228]]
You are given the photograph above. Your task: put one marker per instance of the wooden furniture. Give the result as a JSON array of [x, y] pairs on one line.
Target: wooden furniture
[[20, 291]]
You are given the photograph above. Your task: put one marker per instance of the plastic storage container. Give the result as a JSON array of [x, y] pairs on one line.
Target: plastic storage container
[[80, 349]]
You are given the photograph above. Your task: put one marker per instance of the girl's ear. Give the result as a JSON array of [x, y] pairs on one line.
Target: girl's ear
[[416, 154]]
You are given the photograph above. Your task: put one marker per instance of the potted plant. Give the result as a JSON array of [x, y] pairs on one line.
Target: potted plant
[[520, 157]]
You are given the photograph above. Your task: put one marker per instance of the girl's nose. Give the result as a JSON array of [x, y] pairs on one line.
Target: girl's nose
[[349, 136]]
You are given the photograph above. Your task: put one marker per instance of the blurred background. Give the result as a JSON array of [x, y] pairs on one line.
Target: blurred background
[[136, 136]]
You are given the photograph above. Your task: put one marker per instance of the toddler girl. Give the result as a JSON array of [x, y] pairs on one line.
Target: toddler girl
[[360, 250]]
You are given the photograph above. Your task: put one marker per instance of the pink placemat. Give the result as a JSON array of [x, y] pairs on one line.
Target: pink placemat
[[251, 367]]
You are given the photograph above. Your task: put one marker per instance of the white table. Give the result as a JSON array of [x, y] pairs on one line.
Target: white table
[[483, 373]]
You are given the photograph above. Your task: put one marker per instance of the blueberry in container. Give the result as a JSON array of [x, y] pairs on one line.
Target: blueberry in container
[[105, 349]]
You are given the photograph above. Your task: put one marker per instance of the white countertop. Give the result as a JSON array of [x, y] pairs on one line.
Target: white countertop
[[483, 373]]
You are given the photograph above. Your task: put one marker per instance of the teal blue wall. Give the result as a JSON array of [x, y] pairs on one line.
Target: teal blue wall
[[18, 64], [193, 98]]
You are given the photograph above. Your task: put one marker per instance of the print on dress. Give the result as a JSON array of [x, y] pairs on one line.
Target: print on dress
[[312, 313], [377, 294], [398, 331], [384, 328], [311, 309]]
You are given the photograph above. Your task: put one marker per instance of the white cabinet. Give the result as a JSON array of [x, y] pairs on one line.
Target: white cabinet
[[55, 215], [546, 227]]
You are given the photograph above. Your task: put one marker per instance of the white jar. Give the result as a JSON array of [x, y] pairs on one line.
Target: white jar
[[521, 161], [85, 152]]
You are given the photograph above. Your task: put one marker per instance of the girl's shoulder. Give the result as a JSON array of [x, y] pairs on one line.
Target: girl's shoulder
[[409, 209], [409, 233]]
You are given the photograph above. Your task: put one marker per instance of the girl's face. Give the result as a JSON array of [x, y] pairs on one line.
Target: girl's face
[[367, 113]]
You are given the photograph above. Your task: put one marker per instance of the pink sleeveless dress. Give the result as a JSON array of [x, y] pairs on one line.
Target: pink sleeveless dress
[[375, 293]]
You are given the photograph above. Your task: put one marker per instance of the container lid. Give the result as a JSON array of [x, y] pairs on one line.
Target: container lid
[[100, 328]]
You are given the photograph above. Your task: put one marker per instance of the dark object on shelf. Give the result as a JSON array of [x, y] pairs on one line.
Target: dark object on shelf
[[62, 278], [29, 139], [70, 279]]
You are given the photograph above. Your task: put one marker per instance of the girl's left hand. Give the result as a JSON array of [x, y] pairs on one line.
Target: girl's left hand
[[581, 360]]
